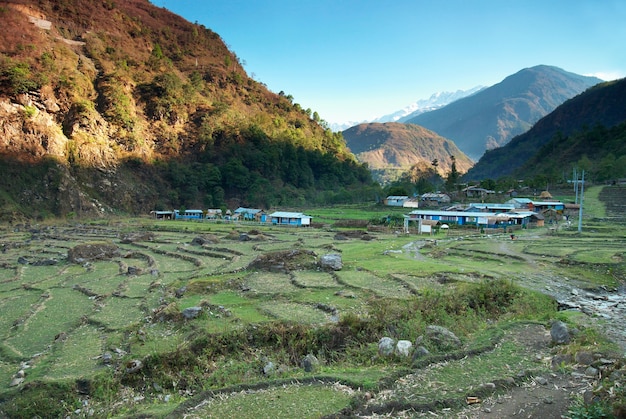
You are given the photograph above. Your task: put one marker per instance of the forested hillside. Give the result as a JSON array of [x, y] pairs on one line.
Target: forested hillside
[[123, 106], [587, 131], [392, 148]]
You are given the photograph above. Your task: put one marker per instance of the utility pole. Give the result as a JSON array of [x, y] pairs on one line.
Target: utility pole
[[575, 181], [580, 209], [575, 185]]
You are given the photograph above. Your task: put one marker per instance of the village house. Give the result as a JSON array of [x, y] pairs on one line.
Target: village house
[[189, 214], [213, 214], [490, 207], [163, 215], [475, 218], [477, 192], [290, 218], [251, 214], [411, 203], [395, 200], [435, 199]]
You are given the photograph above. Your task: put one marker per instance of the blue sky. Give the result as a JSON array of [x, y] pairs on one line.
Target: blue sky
[[358, 60]]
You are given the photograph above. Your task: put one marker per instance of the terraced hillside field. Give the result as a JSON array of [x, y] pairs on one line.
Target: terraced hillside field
[[191, 319]]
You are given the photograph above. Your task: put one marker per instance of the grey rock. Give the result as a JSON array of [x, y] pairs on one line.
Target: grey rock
[[442, 338], [560, 360], [134, 366], [403, 347], [591, 372], [107, 358], [191, 312], [559, 332], [386, 346], [269, 368], [584, 358], [331, 261], [133, 270], [16, 381], [180, 292], [310, 363], [420, 352]]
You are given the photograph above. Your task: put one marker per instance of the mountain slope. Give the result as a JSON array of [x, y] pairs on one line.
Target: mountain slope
[[556, 138], [140, 109], [491, 117], [394, 147]]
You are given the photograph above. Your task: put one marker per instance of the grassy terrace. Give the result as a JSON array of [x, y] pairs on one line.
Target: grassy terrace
[[61, 320]]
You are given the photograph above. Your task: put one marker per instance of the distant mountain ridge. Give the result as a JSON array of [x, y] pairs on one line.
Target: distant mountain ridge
[[391, 148], [435, 101], [491, 117], [586, 125]]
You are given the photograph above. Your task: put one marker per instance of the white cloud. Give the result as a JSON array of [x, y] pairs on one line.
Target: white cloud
[[607, 75]]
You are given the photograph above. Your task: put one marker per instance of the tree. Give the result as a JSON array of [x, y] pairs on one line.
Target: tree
[[453, 176]]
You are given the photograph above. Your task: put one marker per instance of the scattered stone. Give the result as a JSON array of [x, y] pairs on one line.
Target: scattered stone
[[420, 352], [192, 312], [22, 260], [244, 237], [269, 368], [386, 346], [285, 261], [180, 292], [584, 358], [93, 251], [133, 366], [403, 347], [559, 332], [137, 237], [561, 359], [133, 270], [45, 262], [16, 381], [331, 261], [591, 372], [310, 363], [443, 338], [107, 358], [541, 381]]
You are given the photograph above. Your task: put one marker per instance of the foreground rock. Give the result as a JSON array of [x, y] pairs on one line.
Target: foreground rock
[[331, 262], [93, 251], [284, 261], [442, 338]]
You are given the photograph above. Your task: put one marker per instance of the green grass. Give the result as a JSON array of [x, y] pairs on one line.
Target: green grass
[[76, 356], [244, 309], [59, 313], [592, 207], [381, 286], [117, 313], [291, 401], [299, 313]]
